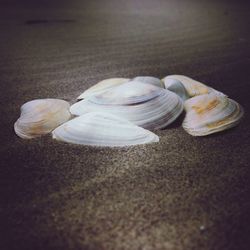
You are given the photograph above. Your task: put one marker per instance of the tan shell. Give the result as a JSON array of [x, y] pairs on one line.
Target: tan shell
[[41, 116], [193, 87], [210, 113]]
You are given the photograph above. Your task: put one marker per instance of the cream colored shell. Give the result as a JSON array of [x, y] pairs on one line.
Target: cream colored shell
[[41, 116], [210, 113], [192, 87]]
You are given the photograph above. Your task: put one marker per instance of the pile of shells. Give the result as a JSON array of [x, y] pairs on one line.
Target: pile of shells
[[120, 112]]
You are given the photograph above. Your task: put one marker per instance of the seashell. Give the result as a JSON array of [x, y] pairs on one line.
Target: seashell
[[177, 87], [143, 104], [102, 86], [193, 87], [41, 116], [211, 113], [150, 80], [129, 93], [103, 129]]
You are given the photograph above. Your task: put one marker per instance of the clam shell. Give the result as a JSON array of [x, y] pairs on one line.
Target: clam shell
[[102, 86], [210, 113], [177, 87], [128, 93], [143, 104], [103, 129], [192, 87], [150, 80], [41, 116]]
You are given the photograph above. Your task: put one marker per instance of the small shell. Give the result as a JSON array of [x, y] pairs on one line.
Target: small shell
[[144, 105], [177, 87], [41, 116], [210, 113], [103, 129], [193, 87], [150, 80], [102, 86]]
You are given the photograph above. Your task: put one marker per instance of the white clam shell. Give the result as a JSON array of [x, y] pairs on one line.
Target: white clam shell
[[210, 113], [128, 93], [177, 87], [103, 129], [150, 80], [102, 86], [155, 108], [192, 87], [41, 116]]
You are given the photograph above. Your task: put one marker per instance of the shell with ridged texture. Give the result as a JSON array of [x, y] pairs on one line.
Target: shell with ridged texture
[[39, 117], [143, 104], [211, 113], [103, 129]]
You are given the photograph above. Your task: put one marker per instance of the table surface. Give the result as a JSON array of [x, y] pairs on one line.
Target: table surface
[[181, 193]]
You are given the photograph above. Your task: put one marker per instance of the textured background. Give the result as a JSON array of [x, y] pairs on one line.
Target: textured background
[[182, 193]]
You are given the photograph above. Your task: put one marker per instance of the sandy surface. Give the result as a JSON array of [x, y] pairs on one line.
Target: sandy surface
[[182, 193]]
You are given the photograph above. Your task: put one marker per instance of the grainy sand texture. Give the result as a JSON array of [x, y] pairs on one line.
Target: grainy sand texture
[[182, 193]]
